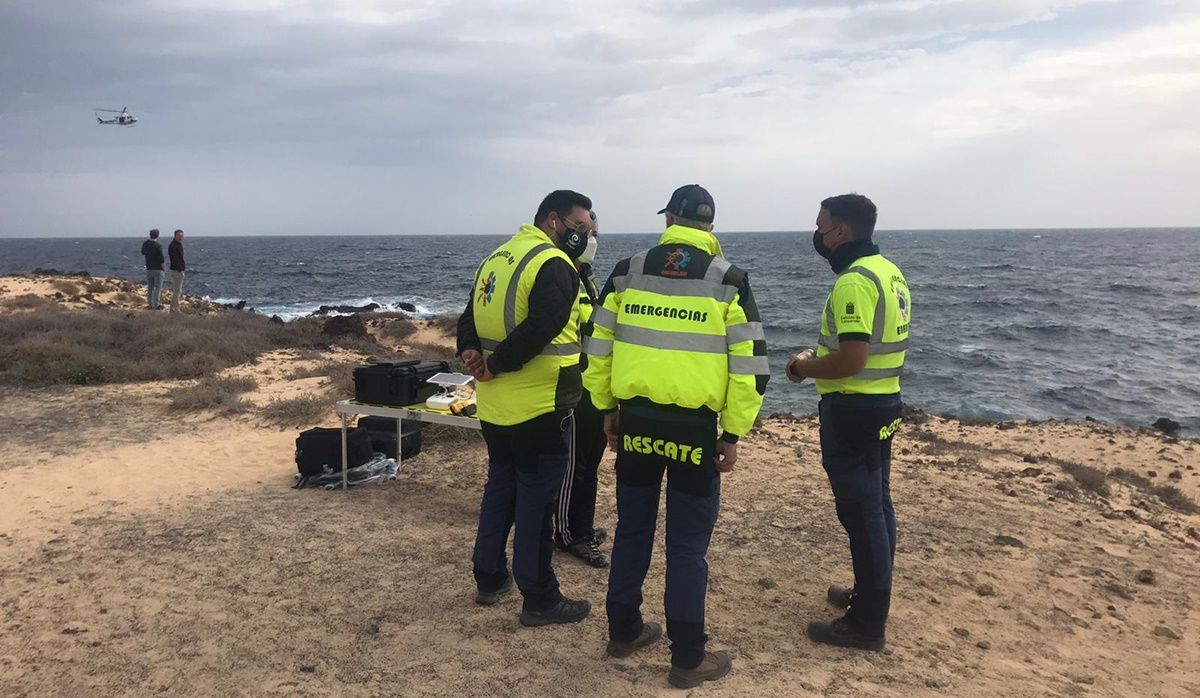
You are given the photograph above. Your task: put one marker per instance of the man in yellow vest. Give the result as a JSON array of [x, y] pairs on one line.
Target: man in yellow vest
[[575, 516], [519, 337], [676, 346], [857, 365]]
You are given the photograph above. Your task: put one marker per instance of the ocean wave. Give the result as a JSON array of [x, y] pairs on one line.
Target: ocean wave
[[425, 307]]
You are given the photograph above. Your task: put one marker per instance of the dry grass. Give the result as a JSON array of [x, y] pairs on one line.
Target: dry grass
[[214, 393], [113, 346], [448, 324], [397, 328], [303, 411], [1091, 479], [1175, 498], [27, 301], [435, 352], [97, 286], [69, 288], [339, 373]]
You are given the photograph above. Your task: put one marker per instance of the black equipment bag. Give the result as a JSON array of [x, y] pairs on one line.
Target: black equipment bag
[[397, 383], [383, 435], [320, 446]]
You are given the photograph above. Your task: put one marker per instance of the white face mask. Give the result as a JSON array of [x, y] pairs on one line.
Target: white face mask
[[589, 252]]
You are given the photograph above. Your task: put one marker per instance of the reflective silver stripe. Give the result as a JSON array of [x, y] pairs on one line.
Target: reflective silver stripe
[[830, 320], [694, 288], [514, 281], [749, 365], [880, 349], [597, 347], [747, 331], [880, 303], [717, 270], [680, 341], [637, 265], [489, 344], [561, 349], [870, 374], [603, 317], [889, 347]]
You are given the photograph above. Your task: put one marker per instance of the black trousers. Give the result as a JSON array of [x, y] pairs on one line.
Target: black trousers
[[526, 465], [682, 444], [575, 515], [856, 451]]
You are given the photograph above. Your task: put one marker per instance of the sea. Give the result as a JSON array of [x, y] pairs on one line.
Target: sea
[[1006, 324]]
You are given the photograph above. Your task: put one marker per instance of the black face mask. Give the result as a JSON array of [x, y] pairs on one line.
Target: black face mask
[[820, 246], [573, 241]]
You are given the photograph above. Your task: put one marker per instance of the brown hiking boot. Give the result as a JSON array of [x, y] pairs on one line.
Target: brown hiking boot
[[714, 666], [651, 632]]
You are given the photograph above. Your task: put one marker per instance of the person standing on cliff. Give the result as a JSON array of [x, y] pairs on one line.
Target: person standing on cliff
[[153, 253], [178, 267], [857, 366]]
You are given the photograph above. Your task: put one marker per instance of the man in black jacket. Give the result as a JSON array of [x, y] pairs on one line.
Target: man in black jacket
[[519, 337], [153, 253], [178, 266]]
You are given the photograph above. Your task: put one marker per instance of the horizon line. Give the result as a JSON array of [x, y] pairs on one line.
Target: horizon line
[[718, 233]]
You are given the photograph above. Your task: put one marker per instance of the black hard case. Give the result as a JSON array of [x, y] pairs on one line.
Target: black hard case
[[320, 446], [397, 383], [383, 435]]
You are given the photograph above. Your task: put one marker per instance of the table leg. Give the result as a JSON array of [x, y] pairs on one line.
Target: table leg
[[345, 452], [399, 444]]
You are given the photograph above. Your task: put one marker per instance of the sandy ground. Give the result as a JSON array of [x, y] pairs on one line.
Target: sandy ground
[[143, 553]]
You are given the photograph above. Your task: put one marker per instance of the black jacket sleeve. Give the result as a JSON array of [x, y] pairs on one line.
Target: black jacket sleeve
[[550, 301], [468, 337]]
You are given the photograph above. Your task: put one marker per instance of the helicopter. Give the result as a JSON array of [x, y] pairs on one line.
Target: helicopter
[[122, 118]]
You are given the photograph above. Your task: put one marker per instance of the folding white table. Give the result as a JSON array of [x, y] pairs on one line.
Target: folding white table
[[348, 408]]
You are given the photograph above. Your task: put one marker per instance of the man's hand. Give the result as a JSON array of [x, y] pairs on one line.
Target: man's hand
[[612, 429], [474, 362], [794, 374], [726, 456]]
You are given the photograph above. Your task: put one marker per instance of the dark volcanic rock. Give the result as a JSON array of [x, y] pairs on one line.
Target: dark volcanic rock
[[1166, 425], [54, 272], [347, 309], [276, 319], [406, 307]]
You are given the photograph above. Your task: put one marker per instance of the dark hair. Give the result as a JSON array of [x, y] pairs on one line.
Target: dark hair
[[560, 201], [856, 211], [177, 231], [154, 233]]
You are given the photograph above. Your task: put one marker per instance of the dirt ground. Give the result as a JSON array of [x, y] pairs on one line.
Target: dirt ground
[[144, 553]]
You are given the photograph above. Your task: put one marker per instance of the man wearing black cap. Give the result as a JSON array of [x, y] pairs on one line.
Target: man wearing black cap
[[676, 341]]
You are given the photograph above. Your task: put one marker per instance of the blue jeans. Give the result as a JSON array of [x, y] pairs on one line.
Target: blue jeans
[[693, 502], [154, 286], [526, 466], [856, 451]]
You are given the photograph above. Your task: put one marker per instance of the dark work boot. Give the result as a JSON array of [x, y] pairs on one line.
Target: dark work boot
[[712, 667], [839, 634], [491, 598], [651, 632], [599, 535], [840, 597], [565, 611], [589, 552]]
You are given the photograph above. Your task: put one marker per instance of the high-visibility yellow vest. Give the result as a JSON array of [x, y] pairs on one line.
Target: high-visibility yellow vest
[[672, 328], [870, 298], [587, 299], [501, 302]]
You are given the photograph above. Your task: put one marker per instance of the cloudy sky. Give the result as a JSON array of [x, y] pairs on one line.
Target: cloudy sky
[[454, 116]]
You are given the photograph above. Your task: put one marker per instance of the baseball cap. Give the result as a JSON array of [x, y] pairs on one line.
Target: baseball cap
[[693, 202]]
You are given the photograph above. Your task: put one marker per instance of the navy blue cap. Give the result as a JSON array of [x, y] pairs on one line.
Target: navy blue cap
[[693, 202]]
